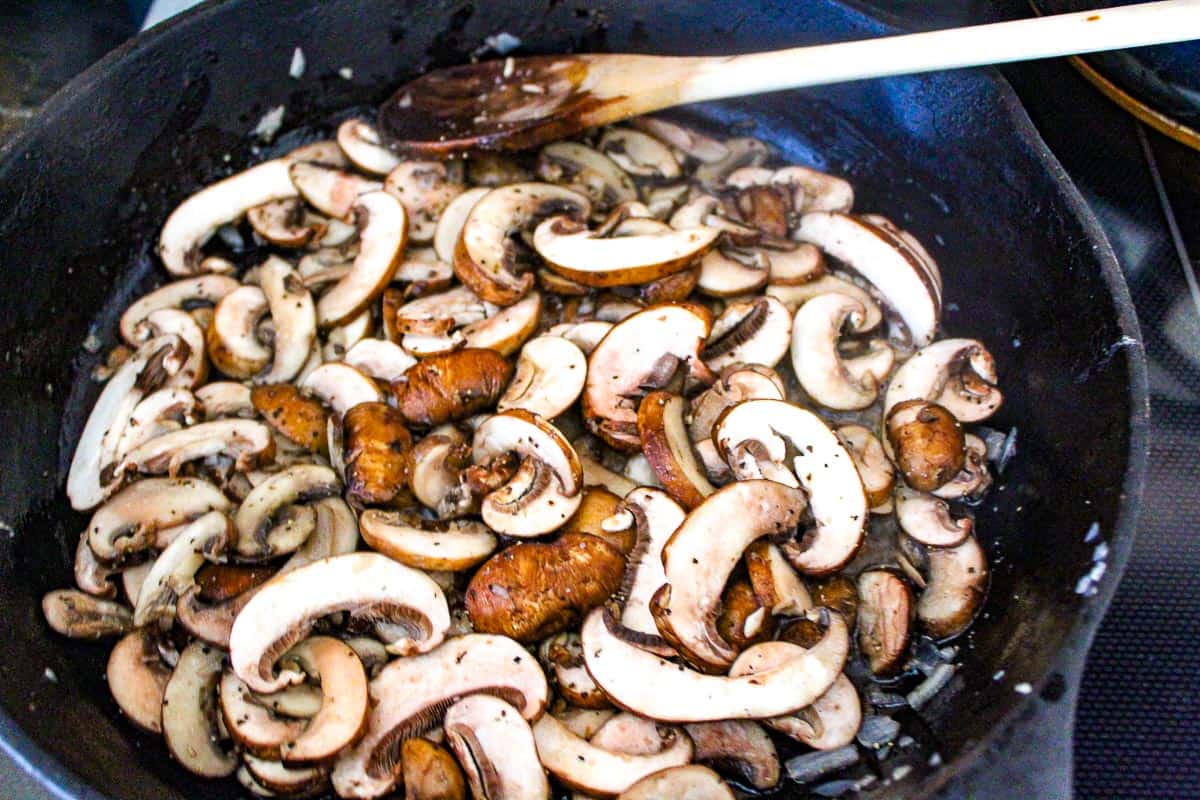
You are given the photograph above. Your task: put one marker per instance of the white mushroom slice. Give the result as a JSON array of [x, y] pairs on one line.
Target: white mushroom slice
[[582, 255], [584, 722], [507, 329], [581, 765], [323, 151], [869, 362], [335, 532], [691, 143], [616, 310], [715, 468], [691, 782], [232, 336], [140, 374], [195, 219], [548, 379], [776, 585], [81, 616], [411, 540], [885, 612], [202, 289], [758, 434], [927, 519], [701, 554], [437, 314], [668, 451], [189, 716], [425, 188], [588, 171], [251, 784], [796, 267], [957, 374], [973, 479], [562, 655], [286, 223], [816, 359], [874, 468], [584, 335], [752, 332], [409, 696], [438, 461], [225, 399], [495, 747], [813, 190], [657, 516], [450, 223], [485, 258], [633, 735], [283, 612], [286, 781], [331, 191], [362, 144], [736, 385], [547, 488], [344, 699], [741, 744], [91, 575], [903, 281], [294, 318], [638, 470], [157, 414], [261, 519], [729, 272], [128, 522], [638, 153], [742, 151], [174, 571], [423, 271], [745, 177], [795, 296], [640, 354], [245, 442], [137, 678], [251, 722], [165, 321], [596, 474], [379, 358], [341, 338], [956, 580], [341, 387], [383, 231]]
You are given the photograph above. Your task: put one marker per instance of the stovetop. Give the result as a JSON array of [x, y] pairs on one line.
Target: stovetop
[[1137, 732]]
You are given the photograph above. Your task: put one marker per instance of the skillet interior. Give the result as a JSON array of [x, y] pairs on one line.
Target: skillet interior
[[950, 156]]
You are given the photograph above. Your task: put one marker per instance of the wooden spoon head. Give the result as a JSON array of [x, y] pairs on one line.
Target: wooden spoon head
[[506, 104]]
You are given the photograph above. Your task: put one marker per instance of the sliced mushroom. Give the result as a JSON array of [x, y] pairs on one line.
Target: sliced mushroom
[[159, 413], [81, 616], [495, 745], [450, 223], [958, 374], [428, 323], [600, 515], [486, 257], [876, 471], [294, 318], [927, 519], [335, 532], [383, 232], [252, 723], [741, 152], [817, 360], [189, 713], [736, 384], [205, 539], [588, 171], [691, 143], [185, 293], [245, 442], [425, 188], [813, 190], [956, 581], [287, 781], [697, 564], [633, 735], [638, 355], [165, 321], [262, 518], [430, 772], [742, 745], [91, 575], [436, 476], [797, 266], [370, 585], [666, 446], [232, 336], [546, 489], [691, 782], [973, 479], [742, 621], [596, 474], [639, 154], [300, 419], [137, 678], [584, 335], [775, 583], [380, 359], [451, 386], [885, 613], [548, 379], [410, 696], [330, 190], [128, 522], [904, 280], [225, 399], [344, 699], [780, 441], [752, 332], [341, 387], [562, 656], [419, 543], [584, 722], [376, 446], [423, 272], [729, 272], [286, 223], [927, 443], [507, 329], [794, 296], [137, 377], [361, 143], [195, 219]]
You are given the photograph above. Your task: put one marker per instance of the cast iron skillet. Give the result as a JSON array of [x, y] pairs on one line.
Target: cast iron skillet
[[951, 156]]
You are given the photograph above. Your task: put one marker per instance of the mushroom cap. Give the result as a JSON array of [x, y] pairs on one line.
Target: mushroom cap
[[451, 386], [283, 611], [927, 443], [495, 745], [430, 772]]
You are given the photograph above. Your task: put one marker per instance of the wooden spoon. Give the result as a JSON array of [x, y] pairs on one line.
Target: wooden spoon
[[517, 103]]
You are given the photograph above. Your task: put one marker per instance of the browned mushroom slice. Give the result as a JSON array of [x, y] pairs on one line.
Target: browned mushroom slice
[[188, 292], [81, 616], [562, 656], [197, 217], [344, 699], [137, 678], [693, 782], [496, 748], [666, 446], [656, 516], [588, 171], [430, 772], [743, 620], [885, 613], [956, 580], [958, 374], [599, 514], [367, 584], [383, 231], [173, 572], [92, 575], [301, 419], [742, 745], [452, 386], [361, 143], [697, 564], [417, 542], [877, 473], [376, 453], [285, 222], [603, 773], [638, 355], [486, 257], [752, 332], [775, 583], [425, 188], [127, 523], [410, 696], [245, 442], [533, 590], [232, 336], [780, 441], [189, 713], [816, 357]]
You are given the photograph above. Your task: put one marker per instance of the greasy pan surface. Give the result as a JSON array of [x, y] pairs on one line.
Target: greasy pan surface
[[950, 156]]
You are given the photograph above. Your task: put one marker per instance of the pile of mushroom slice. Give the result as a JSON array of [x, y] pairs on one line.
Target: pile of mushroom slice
[[533, 473]]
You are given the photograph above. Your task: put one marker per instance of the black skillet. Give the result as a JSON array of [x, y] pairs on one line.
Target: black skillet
[[952, 156]]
